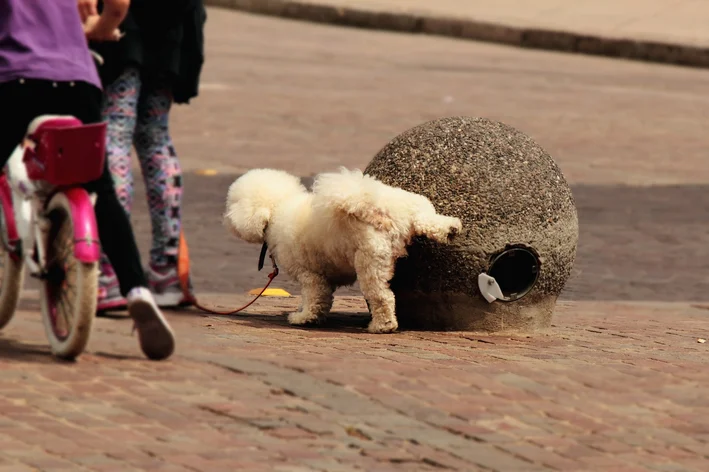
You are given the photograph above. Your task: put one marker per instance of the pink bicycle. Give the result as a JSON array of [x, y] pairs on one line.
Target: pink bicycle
[[48, 225]]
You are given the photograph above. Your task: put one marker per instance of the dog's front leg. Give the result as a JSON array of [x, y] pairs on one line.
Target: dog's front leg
[[373, 274], [317, 300]]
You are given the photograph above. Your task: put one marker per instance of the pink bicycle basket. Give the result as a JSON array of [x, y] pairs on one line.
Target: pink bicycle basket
[[66, 152]]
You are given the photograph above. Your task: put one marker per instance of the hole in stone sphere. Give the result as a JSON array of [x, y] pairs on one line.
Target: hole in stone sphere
[[516, 270]]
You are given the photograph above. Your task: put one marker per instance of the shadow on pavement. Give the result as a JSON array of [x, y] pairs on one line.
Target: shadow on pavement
[[637, 243], [120, 357], [335, 323], [12, 350]]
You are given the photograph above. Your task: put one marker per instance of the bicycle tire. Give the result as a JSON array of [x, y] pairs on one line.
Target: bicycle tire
[[68, 293], [12, 276]]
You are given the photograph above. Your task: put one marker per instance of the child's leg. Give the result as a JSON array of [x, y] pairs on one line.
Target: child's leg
[[15, 96], [120, 109], [156, 338], [162, 174], [31, 98], [163, 183], [116, 234]]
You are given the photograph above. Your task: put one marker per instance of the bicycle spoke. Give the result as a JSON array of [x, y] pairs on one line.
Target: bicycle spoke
[[68, 291], [60, 256], [68, 294]]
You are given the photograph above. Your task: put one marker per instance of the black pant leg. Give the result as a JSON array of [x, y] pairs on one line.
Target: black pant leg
[[18, 107], [115, 231], [21, 102], [116, 234]]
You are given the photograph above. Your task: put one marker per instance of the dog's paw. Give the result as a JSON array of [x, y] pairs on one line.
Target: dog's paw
[[302, 318], [452, 233], [442, 229], [455, 228], [386, 326]]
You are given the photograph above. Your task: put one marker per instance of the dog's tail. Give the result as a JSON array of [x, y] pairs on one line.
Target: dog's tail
[[354, 195]]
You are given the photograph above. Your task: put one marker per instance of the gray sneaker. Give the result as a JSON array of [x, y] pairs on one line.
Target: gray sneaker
[[109, 291], [109, 294], [164, 282]]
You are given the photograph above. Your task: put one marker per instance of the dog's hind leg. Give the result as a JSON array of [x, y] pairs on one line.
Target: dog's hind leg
[[373, 274], [317, 300], [437, 227]]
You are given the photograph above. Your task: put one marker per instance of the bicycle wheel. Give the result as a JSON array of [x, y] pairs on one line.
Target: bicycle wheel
[[12, 272], [68, 292]]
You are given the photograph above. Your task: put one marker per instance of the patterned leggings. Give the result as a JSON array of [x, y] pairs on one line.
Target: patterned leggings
[[140, 117]]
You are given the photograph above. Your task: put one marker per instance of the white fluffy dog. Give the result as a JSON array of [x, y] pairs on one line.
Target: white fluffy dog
[[350, 227]]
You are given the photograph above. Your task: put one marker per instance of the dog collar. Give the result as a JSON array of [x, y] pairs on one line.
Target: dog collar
[[262, 257]]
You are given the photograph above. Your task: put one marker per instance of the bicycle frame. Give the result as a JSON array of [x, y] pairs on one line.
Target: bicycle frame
[[10, 238], [23, 201], [22, 192]]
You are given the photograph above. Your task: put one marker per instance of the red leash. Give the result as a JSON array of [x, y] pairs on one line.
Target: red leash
[[183, 270]]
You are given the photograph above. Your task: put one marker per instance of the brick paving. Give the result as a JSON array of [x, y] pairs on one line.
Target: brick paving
[[628, 136], [637, 243], [613, 386], [308, 98]]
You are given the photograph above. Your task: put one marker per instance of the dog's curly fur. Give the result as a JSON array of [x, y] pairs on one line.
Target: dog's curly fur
[[350, 227]]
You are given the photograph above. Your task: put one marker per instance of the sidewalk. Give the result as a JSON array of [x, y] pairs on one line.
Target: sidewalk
[[612, 387], [664, 31]]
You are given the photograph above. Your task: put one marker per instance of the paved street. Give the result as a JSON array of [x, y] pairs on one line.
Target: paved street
[[613, 387], [616, 385], [630, 138], [307, 98]]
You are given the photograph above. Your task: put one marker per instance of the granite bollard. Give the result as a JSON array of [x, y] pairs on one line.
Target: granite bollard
[[520, 227]]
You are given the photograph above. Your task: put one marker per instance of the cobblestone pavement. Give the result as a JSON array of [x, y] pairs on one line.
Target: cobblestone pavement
[[628, 136], [614, 386], [637, 243], [308, 98]]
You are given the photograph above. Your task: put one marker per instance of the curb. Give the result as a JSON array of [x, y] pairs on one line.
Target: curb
[[533, 38]]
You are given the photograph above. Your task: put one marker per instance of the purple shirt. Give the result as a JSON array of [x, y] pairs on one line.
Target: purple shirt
[[44, 39]]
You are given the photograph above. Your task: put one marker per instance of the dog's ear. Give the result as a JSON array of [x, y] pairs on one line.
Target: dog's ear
[[260, 223], [247, 222]]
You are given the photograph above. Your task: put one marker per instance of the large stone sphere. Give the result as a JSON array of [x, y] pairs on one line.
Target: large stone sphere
[[520, 226]]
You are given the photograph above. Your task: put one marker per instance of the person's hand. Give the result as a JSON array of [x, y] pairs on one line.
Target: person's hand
[[87, 8], [95, 30]]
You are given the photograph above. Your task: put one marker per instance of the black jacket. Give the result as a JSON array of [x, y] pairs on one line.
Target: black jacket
[[164, 39]]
